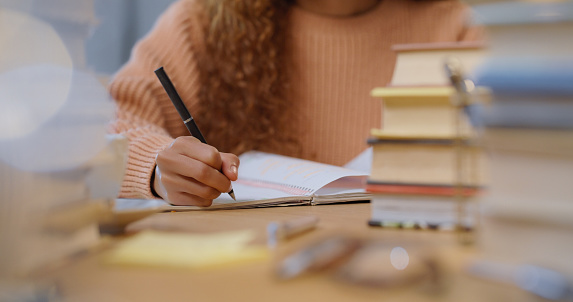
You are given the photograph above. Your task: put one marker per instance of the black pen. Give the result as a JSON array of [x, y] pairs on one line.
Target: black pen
[[183, 112]]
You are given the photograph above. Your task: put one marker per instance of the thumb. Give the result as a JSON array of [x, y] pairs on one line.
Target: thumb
[[230, 165]]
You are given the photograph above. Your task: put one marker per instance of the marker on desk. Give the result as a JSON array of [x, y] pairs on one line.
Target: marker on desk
[[183, 112], [318, 256], [283, 230]]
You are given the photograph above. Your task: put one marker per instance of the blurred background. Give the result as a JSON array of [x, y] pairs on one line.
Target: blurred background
[[114, 25], [121, 23]]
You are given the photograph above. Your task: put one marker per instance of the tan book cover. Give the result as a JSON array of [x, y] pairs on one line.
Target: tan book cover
[[423, 64], [426, 162], [420, 111]]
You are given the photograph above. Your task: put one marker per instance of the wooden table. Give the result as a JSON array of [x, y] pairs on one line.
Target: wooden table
[[87, 279]]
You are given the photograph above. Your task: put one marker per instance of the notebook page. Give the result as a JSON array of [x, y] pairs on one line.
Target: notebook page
[[263, 175]]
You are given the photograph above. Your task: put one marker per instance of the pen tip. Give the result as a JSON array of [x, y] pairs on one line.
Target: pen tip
[[232, 194]]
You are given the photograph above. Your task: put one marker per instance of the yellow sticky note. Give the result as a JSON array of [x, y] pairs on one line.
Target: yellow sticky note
[[179, 250]]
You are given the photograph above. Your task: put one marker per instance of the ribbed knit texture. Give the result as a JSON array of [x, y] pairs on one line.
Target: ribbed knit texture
[[336, 63]]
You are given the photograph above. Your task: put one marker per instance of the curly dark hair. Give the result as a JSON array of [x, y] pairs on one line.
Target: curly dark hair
[[244, 75]]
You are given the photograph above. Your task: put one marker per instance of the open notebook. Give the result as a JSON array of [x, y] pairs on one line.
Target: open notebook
[[267, 180]]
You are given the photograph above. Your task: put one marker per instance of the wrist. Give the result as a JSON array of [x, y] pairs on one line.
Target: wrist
[[152, 183]]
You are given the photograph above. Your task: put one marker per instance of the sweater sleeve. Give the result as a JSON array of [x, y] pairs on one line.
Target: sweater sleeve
[[145, 115]]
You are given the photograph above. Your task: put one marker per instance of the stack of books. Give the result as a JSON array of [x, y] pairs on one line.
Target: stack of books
[[423, 156], [528, 132]]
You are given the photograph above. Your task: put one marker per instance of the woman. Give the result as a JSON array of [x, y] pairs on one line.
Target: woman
[[282, 76]]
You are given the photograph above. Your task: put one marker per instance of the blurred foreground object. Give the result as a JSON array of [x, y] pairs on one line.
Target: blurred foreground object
[[284, 230], [318, 256], [363, 262], [187, 251], [59, 170], [381, 264], [540, 281], [528, 131]]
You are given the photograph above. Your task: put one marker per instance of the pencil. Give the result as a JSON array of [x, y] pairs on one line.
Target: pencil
[[183, 111]]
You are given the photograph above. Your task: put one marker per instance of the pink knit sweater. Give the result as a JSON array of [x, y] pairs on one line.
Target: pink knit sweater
[[337, 62]]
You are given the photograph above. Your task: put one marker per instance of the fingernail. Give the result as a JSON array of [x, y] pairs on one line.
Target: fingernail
[[234, 169]]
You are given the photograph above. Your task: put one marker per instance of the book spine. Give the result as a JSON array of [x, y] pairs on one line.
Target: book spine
[[414, 189]]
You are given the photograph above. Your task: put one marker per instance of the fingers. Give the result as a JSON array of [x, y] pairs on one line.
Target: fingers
[[186, 199], [194, 160], [182, 191], [189, 172], [193, 148], [193, 169], [230, 165]]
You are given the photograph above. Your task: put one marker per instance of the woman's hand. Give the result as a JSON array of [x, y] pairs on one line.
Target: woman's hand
[[188, 172]]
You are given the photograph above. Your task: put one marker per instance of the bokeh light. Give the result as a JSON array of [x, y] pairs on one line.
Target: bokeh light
[[399, 258]]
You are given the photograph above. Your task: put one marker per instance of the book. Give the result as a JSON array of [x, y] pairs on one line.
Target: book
[[527, 28], [420, 112], [267, 180], [423, 64], [531, 174], [420, 211], [527, 128], [423, 158], [549, 142], [423, 161], [527, 131], [413, 189], [527, 77], [530, 199], [512, 111]]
